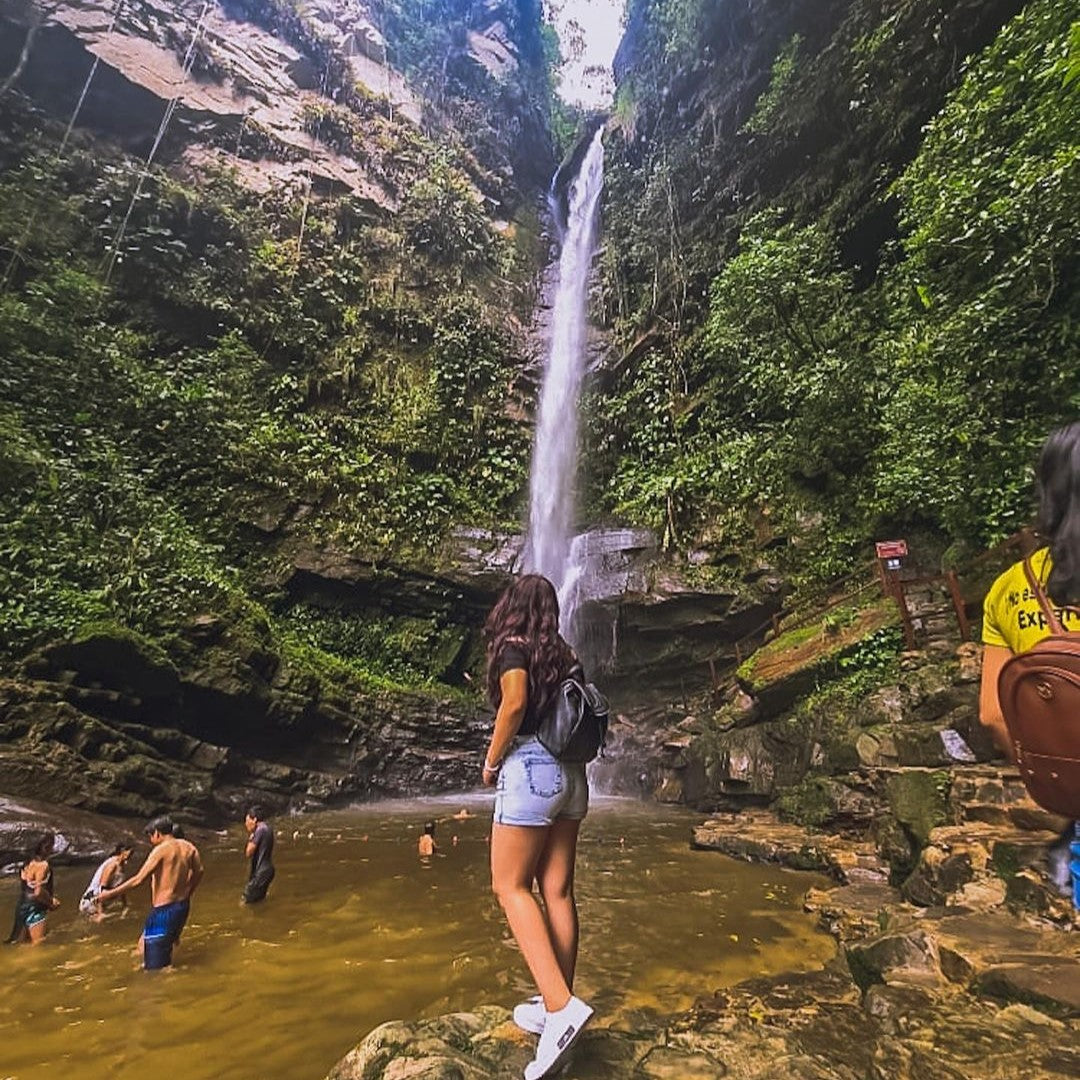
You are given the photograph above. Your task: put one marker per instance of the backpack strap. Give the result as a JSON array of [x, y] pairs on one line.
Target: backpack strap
[[1044, 603]]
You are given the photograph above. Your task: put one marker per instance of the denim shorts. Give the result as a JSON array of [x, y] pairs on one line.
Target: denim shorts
[[535, 788]]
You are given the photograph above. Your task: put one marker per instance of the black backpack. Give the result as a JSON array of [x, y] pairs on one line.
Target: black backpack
[[574, 727]]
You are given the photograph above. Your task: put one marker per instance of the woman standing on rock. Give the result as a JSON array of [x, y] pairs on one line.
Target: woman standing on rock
[[36, 898], [539, 805]]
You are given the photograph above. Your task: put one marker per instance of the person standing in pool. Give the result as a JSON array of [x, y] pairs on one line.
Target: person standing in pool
[[539, 806], [175, 870], [260, 850], [36, 898], [426, 845], [107, 876]]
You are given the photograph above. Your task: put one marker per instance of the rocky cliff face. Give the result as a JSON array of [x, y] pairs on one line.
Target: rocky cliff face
[[109, 723], [283, 95], [334, 208]]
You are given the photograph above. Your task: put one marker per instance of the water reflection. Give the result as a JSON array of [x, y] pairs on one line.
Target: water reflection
[[358, 930]]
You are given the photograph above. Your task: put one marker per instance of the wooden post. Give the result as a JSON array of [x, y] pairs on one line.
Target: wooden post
[[958, 605], [897, 590]]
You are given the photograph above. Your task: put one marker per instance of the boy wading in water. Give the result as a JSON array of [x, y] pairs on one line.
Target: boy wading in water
[[175, 870], [426, 845], [260, 850]]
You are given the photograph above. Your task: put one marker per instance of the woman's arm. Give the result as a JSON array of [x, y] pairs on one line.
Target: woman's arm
[[514, 685], [136, 880], [994, 659]]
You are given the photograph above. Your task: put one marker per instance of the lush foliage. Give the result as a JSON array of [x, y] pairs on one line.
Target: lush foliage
[[235, 364], [907, 387]]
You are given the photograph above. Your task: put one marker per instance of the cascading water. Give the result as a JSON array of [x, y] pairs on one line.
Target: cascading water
[[550, 548]]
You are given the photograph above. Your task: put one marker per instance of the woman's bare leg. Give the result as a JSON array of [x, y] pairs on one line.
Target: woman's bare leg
[[515, 853], [37, 932], [555, 876]]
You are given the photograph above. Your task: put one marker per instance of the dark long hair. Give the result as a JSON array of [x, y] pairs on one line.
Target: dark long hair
[[527, 615], [45, 846], [1059, 511]]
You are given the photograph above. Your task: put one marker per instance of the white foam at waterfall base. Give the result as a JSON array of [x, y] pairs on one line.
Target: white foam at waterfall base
[[553, 482]]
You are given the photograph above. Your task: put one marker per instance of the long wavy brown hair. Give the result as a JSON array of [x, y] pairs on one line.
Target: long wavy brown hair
[[1059, 511], [527, 615]]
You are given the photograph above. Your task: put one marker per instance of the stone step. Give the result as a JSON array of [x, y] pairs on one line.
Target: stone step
[[997, 796], [991, 953], [975, 862], [758, 836]]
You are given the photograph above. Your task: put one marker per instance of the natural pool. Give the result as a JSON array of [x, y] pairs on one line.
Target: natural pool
[[358, 930]]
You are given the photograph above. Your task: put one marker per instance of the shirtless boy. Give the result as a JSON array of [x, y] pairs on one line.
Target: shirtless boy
[[426, 845], [175, 870]]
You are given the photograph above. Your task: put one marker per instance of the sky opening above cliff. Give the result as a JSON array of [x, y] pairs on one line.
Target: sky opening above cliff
[[589, 31]]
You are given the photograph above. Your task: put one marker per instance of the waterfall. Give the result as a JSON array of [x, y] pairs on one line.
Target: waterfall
[[550, 548]]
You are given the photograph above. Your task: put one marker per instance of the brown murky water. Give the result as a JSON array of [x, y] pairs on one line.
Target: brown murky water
[[358, 930]]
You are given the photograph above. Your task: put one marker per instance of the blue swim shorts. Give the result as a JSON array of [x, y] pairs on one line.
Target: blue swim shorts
[[161, 933], [535, 788]]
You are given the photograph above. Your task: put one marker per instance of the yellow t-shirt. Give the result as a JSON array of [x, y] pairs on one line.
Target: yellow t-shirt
[[1011, 613]]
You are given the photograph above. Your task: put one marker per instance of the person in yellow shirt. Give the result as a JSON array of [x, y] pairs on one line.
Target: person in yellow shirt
[[1014, 622], [1012, 619]]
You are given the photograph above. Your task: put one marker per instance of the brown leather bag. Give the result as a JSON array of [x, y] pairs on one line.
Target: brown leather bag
[[1039, 692]]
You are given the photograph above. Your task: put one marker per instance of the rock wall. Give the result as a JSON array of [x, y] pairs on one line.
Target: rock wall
[[262, 88], [112, 724]]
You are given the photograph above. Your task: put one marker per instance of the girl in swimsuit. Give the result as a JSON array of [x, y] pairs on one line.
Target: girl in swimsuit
[[36, 898], [107, 876]]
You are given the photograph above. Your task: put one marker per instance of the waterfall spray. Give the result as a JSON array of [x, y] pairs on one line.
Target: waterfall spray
[[549, 549]]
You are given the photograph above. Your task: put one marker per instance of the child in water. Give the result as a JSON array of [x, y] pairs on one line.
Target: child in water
[[426, 845]]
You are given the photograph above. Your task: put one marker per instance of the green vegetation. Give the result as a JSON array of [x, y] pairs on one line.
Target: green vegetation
[[860, 644], [770, 105], [240, 364], [799, 361]]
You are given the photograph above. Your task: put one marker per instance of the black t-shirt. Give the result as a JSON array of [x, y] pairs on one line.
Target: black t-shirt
[[514, 657], [263, 839]]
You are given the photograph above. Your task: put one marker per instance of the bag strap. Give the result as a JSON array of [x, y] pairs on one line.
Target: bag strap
[[1044, 603]]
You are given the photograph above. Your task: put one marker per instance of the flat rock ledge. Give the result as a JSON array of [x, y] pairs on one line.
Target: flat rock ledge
[[982, 983], [816, 1026]]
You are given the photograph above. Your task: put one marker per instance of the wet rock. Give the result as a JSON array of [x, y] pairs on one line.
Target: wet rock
[[969, 662], [853, 912], [941, 873], [996, 795], [760, 837], [1050, 984], [905, 957], [81, 837], [814, 1026], [958, 854], [917, 798]]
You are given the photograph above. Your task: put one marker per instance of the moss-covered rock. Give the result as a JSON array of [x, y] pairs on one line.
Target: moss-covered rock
[[919, 800]]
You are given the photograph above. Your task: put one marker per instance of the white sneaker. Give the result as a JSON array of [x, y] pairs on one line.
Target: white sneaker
[[560, 1034], [530, 1015]]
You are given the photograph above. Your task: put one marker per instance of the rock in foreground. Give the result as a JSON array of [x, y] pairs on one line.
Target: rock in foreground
[[806, 1027]]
